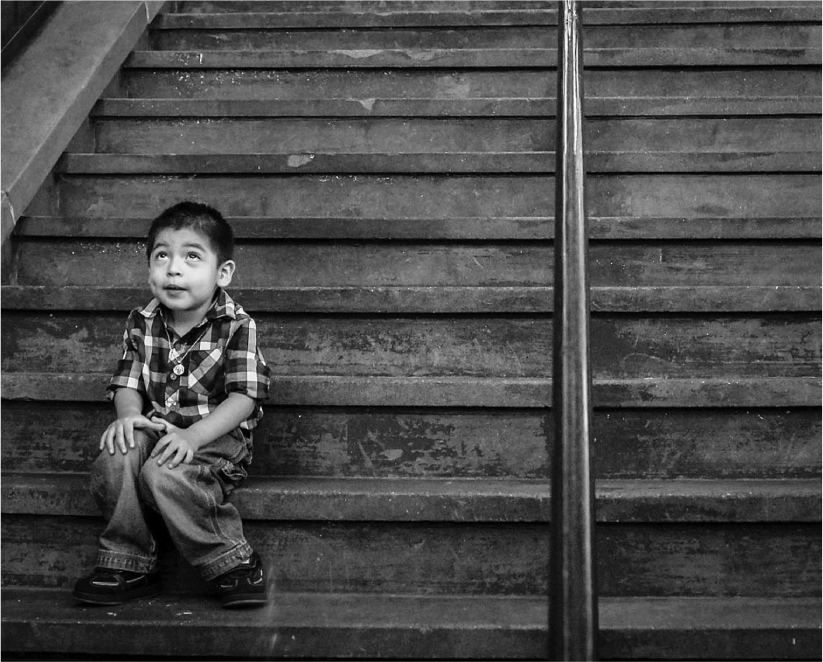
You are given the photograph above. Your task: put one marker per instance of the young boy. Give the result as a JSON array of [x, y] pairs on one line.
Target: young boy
[[187, 394]]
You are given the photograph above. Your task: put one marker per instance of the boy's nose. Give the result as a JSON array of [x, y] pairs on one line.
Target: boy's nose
[[173, 268]]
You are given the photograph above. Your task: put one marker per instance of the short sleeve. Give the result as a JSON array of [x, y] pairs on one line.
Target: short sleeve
[[129, 368], [246, 369]]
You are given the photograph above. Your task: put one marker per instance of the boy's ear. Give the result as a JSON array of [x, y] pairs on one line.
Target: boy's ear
[[225, 272]]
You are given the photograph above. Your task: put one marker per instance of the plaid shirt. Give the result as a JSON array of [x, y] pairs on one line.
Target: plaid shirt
[[218, 357]]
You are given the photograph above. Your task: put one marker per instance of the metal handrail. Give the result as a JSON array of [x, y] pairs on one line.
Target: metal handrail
[[572, 594], [18, 21]]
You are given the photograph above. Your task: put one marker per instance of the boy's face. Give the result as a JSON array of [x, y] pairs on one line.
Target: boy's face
[[184, 271]]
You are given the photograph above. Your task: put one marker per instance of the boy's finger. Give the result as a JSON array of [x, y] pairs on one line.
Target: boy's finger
[[160, 445], [107, 441], [148, 423], [129, 433], [174, 461], [166, 454], [121, 440], [182, 456]]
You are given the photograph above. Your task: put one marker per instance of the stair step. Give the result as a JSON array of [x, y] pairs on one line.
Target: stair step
[[305, 162], [329, 625], [742, 54], [458, 58], [766, 143], [368, 18], [391, 15], [438, 299], [543, 162], [642, 196], [435, 229], [499, 392], [320, 38], [688, 559], [740, 542], [473, 107], [422, 269], [438, 500], [381, 138], [305, 87], [442, 442], [733, 42], [382, 6]]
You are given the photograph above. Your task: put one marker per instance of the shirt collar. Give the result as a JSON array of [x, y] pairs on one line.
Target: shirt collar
[[222, 306]]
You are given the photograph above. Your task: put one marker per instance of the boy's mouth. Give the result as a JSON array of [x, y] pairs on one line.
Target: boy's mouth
[[174, 288]]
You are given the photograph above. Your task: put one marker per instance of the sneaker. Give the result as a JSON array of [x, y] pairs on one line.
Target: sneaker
[[114, 587], [244, 585]]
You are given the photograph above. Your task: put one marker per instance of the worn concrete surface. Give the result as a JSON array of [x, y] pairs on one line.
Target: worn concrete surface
[[52, 85]]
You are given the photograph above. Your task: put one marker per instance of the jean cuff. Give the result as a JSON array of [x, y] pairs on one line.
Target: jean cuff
[[112, 560], [227, 561]]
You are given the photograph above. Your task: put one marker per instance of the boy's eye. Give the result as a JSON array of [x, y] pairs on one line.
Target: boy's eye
[[193, 256], [160, 255]]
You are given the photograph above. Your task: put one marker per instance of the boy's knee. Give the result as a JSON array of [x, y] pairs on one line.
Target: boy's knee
[[113, 467], [158, 482]]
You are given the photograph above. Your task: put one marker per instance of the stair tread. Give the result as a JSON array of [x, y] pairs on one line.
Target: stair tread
[[532, 162], [414, 626], [468, 58], [453, 227], [448, 391], [470, 299], [493, 106], [495, 500], [365, 17]]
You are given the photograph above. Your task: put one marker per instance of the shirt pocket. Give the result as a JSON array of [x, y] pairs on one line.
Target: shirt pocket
[[206, 372]]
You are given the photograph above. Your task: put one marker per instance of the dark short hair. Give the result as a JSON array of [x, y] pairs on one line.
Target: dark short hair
[[203, 219]]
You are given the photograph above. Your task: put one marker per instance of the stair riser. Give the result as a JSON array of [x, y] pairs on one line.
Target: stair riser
[[102, 263], [369, 85], [266, 40], [333, 6], [465, 58], [633, 560], [436, 197], [742, 37], [281, 136], [268, 84], [623, 348], [383, 6], [387, 443], [471, 228], [301, 136]]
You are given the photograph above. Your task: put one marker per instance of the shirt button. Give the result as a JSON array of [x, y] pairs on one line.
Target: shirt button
[[173, 376]]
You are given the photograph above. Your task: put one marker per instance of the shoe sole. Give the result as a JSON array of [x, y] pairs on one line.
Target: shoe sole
[[119, 599], [245, 601]]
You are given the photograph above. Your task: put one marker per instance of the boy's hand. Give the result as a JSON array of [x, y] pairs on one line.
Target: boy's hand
[[178, 446], [120, 433]]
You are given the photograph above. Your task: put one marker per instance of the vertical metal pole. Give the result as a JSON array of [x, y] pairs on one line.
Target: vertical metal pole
[[572, 597]]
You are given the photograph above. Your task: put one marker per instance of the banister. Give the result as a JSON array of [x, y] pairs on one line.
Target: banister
[[572, 595]]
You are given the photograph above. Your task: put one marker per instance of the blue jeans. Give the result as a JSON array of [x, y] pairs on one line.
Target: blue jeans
[[191, 498]]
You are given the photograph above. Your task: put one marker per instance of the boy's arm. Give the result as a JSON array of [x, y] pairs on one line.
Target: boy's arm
[[128, 404], [181, 444]]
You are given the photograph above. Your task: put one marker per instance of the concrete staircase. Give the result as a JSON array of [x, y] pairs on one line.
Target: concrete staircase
[[388, 170]]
